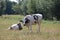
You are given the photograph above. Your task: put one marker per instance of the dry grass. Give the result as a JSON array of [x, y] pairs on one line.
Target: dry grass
[[50, 30]]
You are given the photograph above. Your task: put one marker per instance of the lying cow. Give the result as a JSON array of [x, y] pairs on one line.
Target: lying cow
[[29, 20], [16, 27]]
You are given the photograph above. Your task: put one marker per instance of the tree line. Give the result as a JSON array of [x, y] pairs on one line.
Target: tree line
[[50, 9]]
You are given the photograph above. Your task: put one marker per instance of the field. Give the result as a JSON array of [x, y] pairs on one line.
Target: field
[[50, 30]]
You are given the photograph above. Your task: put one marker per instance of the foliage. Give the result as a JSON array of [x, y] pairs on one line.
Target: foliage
[[2, 8], [48, 8], [57, 9]]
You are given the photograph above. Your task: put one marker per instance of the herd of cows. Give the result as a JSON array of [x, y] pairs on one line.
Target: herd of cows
[[28, 21]]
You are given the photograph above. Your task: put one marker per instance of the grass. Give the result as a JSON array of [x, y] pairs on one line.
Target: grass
[[50, 30]]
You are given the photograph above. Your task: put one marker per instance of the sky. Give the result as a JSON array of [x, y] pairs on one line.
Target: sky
[[14, 1]]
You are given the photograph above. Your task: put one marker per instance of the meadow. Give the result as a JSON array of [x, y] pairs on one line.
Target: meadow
[[49, 30]]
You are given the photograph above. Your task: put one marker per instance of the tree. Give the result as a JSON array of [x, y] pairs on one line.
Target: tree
[[57, 9], [1, 7], [9, 7], [31, 7]]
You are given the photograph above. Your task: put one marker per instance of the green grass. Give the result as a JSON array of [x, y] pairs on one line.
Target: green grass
[[50, 30]]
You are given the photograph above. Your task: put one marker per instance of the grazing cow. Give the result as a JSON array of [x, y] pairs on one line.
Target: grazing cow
[[16, 27], [29, 20]]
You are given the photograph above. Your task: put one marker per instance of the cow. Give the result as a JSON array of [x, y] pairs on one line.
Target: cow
[[17, 26], [29, 20]]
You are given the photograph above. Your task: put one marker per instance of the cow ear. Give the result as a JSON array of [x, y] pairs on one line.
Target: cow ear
[[21, 21], [28, 21]]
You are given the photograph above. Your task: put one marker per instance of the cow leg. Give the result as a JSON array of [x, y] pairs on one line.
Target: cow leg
[[39, 24], [38, 29], [30, 28]]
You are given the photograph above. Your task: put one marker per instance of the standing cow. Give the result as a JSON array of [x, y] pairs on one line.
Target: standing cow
[[29, 20]]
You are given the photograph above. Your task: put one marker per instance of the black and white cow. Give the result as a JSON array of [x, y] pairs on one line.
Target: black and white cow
[[29, 20], [16, 27]]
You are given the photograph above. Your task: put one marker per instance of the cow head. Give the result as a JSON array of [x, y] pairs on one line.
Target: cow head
[[25, 21], [20, 26]]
